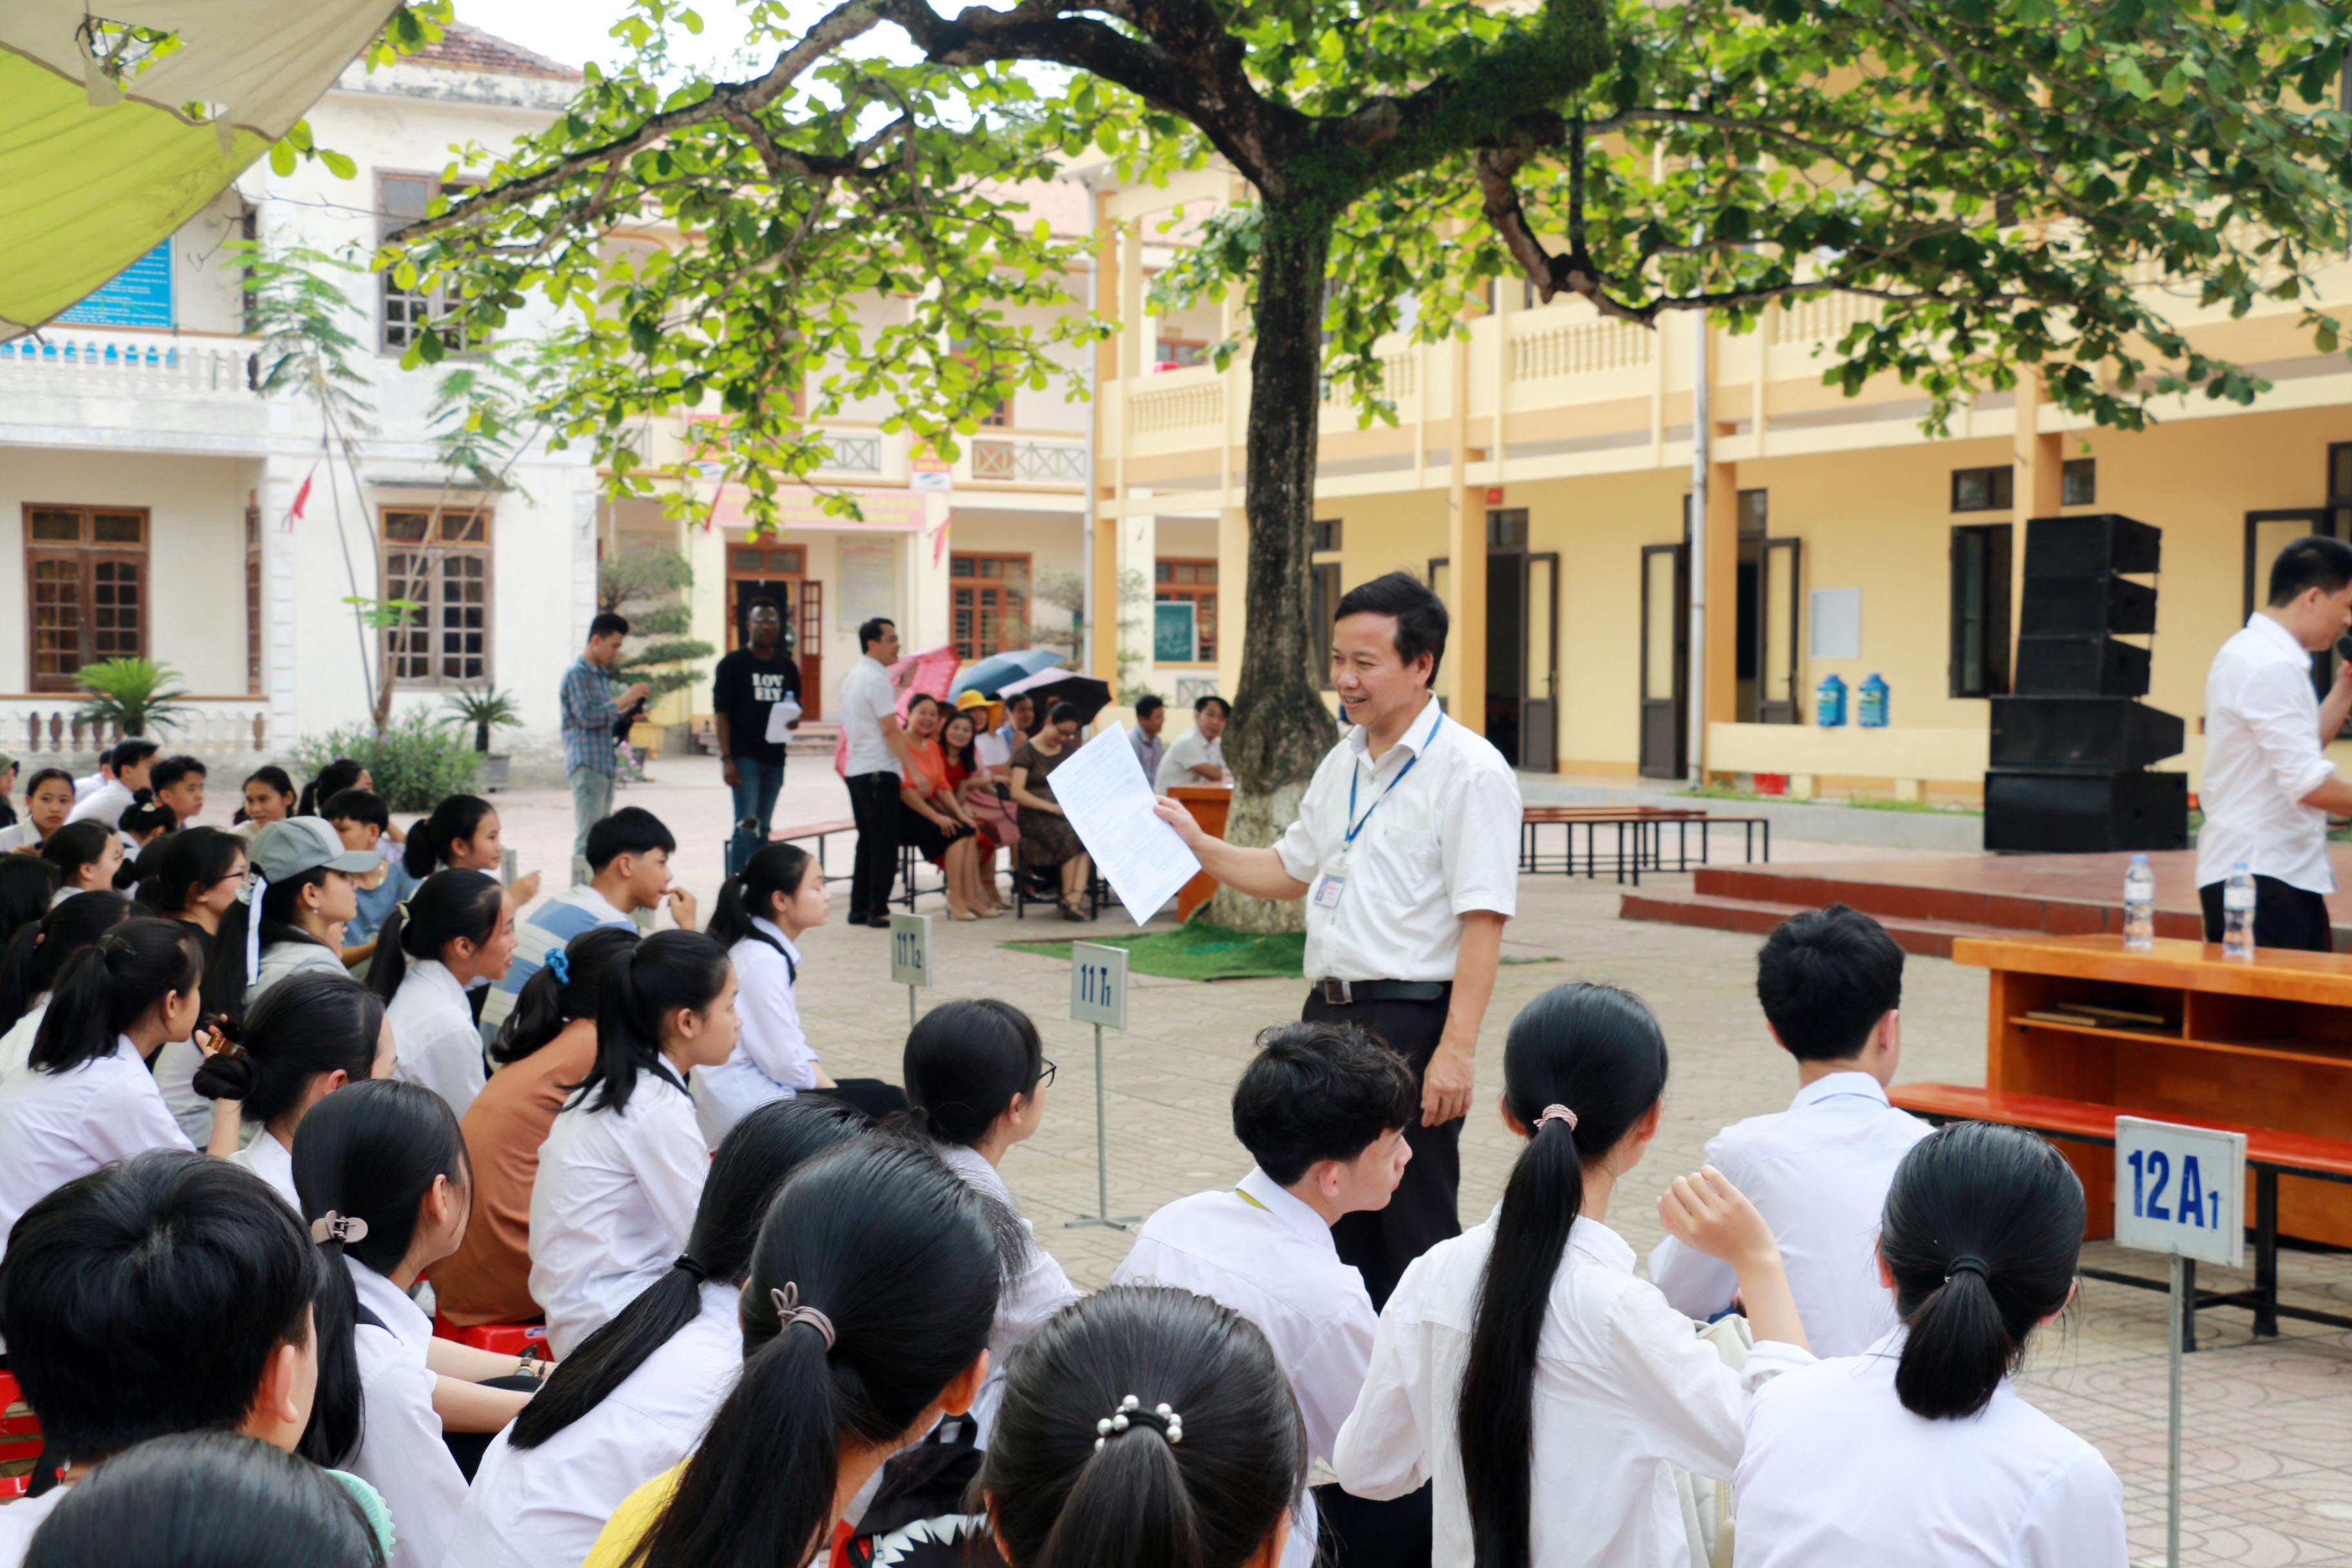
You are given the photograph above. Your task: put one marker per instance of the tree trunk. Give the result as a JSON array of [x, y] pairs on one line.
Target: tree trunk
[[1280, 729]]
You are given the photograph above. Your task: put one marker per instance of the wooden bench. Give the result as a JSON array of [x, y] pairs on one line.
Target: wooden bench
[[1648, 825], [2269, 1155]]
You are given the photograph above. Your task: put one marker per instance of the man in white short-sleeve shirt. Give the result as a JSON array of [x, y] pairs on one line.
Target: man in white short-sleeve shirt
[[879, 759], [2267, 788], [1197, 757]]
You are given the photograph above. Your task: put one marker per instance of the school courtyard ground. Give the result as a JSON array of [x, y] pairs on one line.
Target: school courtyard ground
[[2267, 1463]]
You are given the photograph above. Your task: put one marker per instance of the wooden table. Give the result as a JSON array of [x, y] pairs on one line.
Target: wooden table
[[2264, 1044], [1208, 804]]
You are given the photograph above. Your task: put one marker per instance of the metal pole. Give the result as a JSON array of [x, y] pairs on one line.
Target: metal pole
[[911, 1007], [1102, 1147], [2172, 1455]]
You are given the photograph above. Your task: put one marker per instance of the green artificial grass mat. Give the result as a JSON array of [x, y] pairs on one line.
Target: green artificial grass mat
[[1198, 950]]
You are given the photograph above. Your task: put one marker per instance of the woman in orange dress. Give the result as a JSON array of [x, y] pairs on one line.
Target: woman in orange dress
[[935, 822]]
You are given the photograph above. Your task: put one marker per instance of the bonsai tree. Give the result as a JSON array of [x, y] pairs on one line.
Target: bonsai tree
[[132, 693], [481, 707], [649, 587]]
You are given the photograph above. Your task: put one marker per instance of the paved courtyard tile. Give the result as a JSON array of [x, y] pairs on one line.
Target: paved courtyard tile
[[2268, 1462]]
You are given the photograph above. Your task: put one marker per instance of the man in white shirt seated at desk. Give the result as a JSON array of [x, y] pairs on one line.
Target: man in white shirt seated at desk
[[1322, 1109], [1197, 757], [2268, 787]]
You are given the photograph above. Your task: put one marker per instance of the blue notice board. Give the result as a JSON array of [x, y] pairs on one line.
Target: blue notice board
[[138, 295]]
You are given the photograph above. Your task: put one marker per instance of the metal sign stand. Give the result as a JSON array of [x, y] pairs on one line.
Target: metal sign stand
[[1098, 997], [911, 956], [2180, 1190]]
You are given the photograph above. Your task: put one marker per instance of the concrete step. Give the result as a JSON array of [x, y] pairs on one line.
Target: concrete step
[[1928, 938]]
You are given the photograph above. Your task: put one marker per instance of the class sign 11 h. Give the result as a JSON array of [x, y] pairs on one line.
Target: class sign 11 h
[[2180, 1190]]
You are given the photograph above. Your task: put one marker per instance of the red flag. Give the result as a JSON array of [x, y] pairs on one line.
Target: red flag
[[301, 499]]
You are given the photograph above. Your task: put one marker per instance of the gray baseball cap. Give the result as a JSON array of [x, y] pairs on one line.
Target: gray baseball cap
[[299, 843]]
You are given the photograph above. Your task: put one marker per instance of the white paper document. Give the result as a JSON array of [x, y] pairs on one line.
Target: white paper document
[[1103, 791]]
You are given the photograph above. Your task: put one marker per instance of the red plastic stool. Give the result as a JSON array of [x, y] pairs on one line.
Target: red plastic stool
[[498, 1339], [20, 1437]]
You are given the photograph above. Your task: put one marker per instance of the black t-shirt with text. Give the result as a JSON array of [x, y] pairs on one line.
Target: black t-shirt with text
[[746, 687]]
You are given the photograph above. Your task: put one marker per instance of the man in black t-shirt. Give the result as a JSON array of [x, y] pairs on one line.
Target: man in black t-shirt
[[751, 681]]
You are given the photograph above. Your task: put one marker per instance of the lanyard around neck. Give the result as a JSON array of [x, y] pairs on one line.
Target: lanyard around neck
[[1410, 762]]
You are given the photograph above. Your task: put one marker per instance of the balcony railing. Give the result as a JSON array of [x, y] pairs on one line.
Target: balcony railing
[[853, 454], [125, 363], [44, 725], [1028, 462]]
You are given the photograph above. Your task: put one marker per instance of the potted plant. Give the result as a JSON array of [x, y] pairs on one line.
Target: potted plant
[[483, 706], [131, 694]]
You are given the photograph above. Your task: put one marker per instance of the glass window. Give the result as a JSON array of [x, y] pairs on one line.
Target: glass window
[[2079, 483], [86, 576], [1983, 490], [439, 561]]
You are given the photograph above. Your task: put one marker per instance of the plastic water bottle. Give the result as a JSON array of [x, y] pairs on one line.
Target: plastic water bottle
[[2140, 907], [2238, 913]]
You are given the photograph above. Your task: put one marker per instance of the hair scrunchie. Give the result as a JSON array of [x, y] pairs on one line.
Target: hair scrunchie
[[685, 1264], [560, 963]]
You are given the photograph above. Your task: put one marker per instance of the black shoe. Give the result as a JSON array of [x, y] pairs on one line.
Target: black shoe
[[880, 923]]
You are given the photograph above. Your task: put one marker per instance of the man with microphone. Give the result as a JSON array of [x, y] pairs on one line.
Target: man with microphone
[[2268, 789]]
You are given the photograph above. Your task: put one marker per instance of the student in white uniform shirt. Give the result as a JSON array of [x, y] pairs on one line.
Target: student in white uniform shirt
[[306, 1039], [48, 800], [85, 1096], [386, 1193], [87, 855], [269, 795], [636, 1399], [1830, 981], [759, 916], [199, 1499], [170, 1293], [1322, 1109], [37, 954], [1921, 1449], [1221, 1497], [976, 1074], [1549, 1392], [304, 886], [453, 932], [623, 1167], [114, 795]]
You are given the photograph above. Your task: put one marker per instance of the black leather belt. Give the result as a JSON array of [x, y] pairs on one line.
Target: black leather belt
[[1341, 993]]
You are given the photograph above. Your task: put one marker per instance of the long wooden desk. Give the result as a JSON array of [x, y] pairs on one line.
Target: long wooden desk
[[1208, 804], [2262, 1045]]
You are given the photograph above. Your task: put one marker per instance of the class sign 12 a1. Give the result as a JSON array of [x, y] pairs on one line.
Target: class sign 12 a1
[[2180, 1190]]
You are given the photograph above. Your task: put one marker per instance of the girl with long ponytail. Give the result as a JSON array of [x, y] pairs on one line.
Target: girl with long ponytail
[[636, 1397], [87, 855], [385, 1188], [310, 1037], [35, 956], [454, 931], [760, 917], [865, 1317], [462, 833], [1579, 1390], [1922, 1436], [623, 1164], [547, 1046], [1206, 1449], [86, 1096]]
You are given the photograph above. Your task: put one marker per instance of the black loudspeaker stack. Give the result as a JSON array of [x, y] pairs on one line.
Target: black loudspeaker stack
[[2070, 748]]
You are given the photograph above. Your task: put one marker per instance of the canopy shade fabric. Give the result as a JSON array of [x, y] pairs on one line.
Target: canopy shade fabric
[[91, 177]]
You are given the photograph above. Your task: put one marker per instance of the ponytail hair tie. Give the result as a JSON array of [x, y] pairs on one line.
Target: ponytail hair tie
[[561, 964], [1556, 1113], [332, 1226], [1967, 1263], [786, 1300], [685, 1264]]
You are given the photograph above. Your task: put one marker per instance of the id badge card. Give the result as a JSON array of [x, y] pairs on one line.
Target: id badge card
[[1333, 884]]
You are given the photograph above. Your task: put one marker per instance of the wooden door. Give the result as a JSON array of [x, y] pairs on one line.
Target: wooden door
[[1666, 660]]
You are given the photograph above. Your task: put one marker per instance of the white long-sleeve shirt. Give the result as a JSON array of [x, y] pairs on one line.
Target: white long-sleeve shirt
[[1838, 1475], [2262, 757], [542, 1507], [611, 1205], [1818, 1172], [1624, 1391], [56, 1126], [1261, 1251], [434, 1040], [771, 1058], [401, 1452], [1038, 1291]]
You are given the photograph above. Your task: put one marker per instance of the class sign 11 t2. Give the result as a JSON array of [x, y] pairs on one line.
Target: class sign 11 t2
[[2180, 1190]]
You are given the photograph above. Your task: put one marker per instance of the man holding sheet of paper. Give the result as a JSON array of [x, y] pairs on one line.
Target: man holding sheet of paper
[[1407, 851]]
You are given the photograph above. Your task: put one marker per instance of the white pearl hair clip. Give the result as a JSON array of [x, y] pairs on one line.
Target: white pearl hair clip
[[1168, 1422]]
